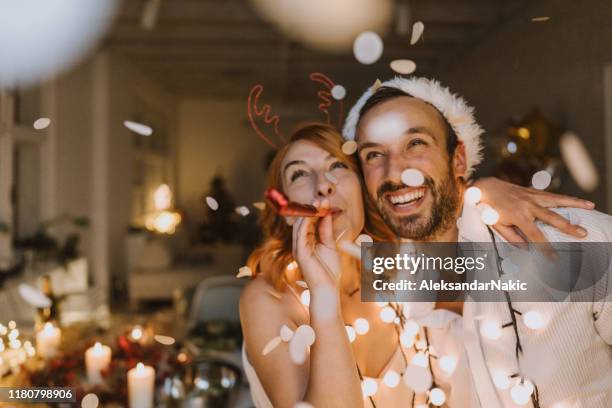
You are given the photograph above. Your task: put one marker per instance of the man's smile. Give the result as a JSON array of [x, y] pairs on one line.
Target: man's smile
[[407, 200]]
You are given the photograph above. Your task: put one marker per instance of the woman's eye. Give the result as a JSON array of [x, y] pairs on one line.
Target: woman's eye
[[297, 174], [338, 165]]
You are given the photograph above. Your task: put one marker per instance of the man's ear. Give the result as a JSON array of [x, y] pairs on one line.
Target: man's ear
[[459, 161]]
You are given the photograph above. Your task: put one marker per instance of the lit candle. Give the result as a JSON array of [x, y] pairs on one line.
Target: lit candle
[[97, 359], [141, 381], [48, 340]]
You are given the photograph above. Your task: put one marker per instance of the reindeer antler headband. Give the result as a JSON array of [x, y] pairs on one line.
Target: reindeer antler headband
[[270, 122]]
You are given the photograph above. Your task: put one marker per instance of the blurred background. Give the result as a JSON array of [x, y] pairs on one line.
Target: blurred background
[[129, 171]]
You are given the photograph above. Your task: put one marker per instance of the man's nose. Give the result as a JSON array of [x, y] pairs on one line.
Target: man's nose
[[324, 187], [394, 166]]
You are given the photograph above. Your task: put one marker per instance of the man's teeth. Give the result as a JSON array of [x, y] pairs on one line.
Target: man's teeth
[[408, 197]]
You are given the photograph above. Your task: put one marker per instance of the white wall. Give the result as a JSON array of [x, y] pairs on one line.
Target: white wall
[[557, 66]]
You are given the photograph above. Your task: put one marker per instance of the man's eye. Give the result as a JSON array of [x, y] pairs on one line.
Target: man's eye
[[416, 142], [338, 165], [297, 174], [372, 155]]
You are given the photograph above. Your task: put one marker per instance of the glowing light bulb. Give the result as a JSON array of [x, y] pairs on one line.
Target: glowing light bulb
[[437, 396], [520, 394], [391, 379], [420, 359], [501, 380], [491, 330], [350, 332], [488, 215], [136, 333], [448, 364], [417, 378], [361, 325], [421, 344], [472, 195], [534, 320], [406, 339], [411, 328], [511, 147], [369, 387], [387, 314]]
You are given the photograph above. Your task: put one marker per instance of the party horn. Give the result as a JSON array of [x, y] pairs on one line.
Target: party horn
[[288, 208]]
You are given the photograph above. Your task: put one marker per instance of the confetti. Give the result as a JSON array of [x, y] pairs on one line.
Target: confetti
[[391, 379], [491, 330], [417, 32], [42, 123], [472, 195], [138, 128], [578, 161], [338, 92], [363, 238], [271, 345], [368, 47], [349, 147], [286, 334], [302, 284], [540, 19], [34, 296], [406, 340], [303, 404], [377, 84], [244, 271], [520, 394], [534, 320], [417, 378], [242, 210], [165, 340], [437, 397], [292, 265], [448, 364], [212, 203], [369, 387], [305, 298], [403, 66], [412, 177], [350, 332], [387, 314], [90, 401], [361, 326], [541, 180], [260, 205], [331, 178]]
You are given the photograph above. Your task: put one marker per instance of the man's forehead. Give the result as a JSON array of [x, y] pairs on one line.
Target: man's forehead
[[392, 118]]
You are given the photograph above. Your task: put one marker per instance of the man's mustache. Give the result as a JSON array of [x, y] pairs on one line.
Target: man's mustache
[[390, 186]]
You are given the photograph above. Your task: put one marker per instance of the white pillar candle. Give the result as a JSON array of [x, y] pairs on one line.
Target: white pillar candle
[[97, 359], [48, 340], [141, 384]]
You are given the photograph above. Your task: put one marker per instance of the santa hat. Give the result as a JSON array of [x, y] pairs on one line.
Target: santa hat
[[456, 111]]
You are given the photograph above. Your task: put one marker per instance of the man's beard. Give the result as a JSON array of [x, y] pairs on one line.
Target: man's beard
[[419, 227]]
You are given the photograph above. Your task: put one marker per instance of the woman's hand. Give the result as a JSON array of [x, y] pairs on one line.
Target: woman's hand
[[317, 257], [519, 208]]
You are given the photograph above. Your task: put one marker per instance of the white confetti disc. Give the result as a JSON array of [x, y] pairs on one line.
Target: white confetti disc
[[212, 203], [417, 31], [391, 379], [305, 297], [472, 195], [138, 128], [286, 333], [34, 296], [271, 345], [361, 325], [369, 387], [578, 161], [417, 378], [350, 332], [534, 320], [501, 380], [411, 328], [338, 92], [90, 401], [406, 340], [403, 66], [520, 394], [363, 238], [368, 47], [244, 271], [488, 215], [437, 397], [242, 210], [331, 178], [541, 180], [165, 340], [303, 404], [412, 177], [305, 335], [301, 283], [491, 330], [349, 147], [42, 123], [387, 314], [448, 364]]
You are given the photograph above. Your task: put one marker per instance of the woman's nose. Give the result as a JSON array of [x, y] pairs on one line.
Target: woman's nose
[[324, 187]]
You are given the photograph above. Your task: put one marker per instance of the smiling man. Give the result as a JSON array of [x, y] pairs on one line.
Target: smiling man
[[413, 124]]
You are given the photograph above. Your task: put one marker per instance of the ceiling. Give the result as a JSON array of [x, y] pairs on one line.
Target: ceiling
[[220, 48]]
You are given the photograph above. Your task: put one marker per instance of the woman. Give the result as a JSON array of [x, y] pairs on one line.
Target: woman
[[312, 169]]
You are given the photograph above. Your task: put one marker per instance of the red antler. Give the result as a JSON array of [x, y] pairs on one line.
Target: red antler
[[253, 111], [326, 97]]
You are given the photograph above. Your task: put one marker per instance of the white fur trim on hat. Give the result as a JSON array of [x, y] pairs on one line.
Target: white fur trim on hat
[[456, 111]]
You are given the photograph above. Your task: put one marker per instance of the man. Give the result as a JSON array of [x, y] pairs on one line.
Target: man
[[417, 124]]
